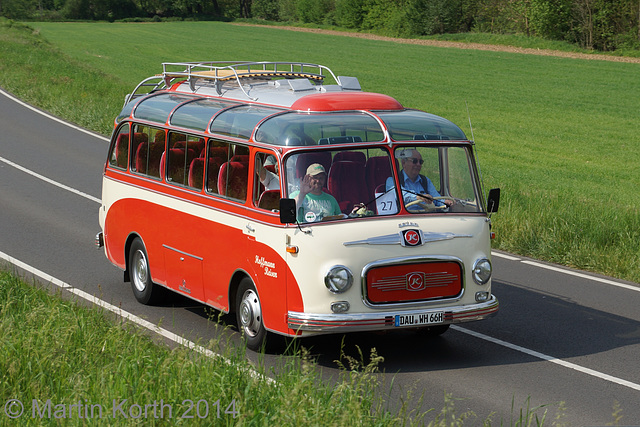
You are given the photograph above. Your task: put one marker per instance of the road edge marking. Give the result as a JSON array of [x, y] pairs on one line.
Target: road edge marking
[[50, 181], [548, 358], [52, 117], [171, 336]]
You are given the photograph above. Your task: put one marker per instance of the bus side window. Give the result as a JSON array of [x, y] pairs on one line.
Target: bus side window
[[120, 151], [266, 185], [217, 154], [183, 149], [147, 150], [233, 177]]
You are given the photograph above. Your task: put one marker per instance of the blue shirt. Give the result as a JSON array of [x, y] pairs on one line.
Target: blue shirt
[[414, 187]]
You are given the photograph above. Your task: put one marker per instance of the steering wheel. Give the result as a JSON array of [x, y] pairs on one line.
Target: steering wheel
[[429, 206]]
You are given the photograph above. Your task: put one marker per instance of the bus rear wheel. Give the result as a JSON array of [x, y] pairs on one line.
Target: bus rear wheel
[[145, 291], [249, 315]]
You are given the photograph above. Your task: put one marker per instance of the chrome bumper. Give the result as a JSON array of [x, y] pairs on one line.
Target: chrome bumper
[[99, 241], [383, 320]]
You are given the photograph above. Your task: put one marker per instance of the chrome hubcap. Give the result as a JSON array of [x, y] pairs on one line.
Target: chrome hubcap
[[250, 313], [139, 271]]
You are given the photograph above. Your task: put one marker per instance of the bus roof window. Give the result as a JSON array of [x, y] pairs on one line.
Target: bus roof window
[[157, 108], [410, 125], [240, 121], [300, 129], [197, 114]]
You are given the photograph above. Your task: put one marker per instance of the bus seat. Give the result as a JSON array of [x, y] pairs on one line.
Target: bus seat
[[212, 175], [233, 179], [346, 183], [197, 146], [122, 150], [148, 158], [138, 139], [270, 199], [196, 174], [306, 159], [176, 165], [159, 138], [354, 156], [220, 153], [242, 158], [377, 170], [141, 158]]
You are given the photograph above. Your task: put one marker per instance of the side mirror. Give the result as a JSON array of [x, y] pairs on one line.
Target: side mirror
[[287, 211], [493, 201]]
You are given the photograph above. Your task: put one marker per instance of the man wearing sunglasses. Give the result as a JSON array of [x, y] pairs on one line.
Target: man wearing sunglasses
[[414, 185]]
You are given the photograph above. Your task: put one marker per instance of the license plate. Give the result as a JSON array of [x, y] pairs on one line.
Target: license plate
[[419, 319]]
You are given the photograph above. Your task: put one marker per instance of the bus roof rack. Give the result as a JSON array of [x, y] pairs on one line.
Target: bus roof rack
[[225, 71], [236, 70]]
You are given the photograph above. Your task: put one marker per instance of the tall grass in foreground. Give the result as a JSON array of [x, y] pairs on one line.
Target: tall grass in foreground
[[65, 363], [75, 364]]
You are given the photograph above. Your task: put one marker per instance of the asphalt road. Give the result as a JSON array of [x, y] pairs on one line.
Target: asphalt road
[[560, 335]]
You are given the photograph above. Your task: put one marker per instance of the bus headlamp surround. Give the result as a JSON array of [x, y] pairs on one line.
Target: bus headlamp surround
[[482, 271], [338, 279]]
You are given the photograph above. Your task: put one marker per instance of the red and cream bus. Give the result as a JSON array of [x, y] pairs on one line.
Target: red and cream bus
[[270, 189]]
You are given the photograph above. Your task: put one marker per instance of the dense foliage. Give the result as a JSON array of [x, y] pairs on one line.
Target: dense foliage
[[593, 24]]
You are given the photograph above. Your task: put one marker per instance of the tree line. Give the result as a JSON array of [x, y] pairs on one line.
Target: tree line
[[604, 25]]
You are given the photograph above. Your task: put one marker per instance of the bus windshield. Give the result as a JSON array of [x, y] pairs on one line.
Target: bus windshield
[[355, 183]]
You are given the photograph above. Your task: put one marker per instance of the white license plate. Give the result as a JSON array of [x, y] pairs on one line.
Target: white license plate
[[419, 319]]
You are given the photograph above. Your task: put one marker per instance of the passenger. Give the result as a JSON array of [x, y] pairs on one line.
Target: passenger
[[270, 180], [313, 204], [415, 186]]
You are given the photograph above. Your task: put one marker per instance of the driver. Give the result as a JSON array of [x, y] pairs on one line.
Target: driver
[[418, 186], [312, 203]]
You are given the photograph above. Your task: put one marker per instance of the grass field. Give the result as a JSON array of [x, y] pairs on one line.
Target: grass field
[[558, 135], [74, 372]]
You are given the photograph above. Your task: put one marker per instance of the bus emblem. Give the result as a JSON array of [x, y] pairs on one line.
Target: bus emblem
[[415, 282], [412, 238]]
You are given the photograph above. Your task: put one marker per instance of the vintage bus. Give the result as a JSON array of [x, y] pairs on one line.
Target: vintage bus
[[286, 194]]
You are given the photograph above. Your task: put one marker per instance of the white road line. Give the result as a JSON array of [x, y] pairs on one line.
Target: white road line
[[583, 275], [50, 181], [123, 314], [505, 256], [551, 359], [567, 271], [49, 116]]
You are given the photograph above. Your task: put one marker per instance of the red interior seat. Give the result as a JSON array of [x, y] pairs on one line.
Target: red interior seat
[[270, 199], [377, 170], [347, 184], [233, 179]]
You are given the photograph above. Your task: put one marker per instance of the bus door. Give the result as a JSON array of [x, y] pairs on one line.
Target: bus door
[[184, 247]]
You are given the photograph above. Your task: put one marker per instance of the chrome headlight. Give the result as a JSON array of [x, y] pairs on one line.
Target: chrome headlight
[[338, 279], [482, 271]]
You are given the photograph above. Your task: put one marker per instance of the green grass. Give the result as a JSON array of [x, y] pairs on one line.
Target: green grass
[[53, 350], [558, 135], [65, 363]]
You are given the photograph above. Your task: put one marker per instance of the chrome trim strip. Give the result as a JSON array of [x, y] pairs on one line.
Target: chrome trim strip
[[396, 238], [182, 252], [410, 260], [376, 321]]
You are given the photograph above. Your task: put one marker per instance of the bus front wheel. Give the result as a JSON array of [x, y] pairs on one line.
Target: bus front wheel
[[249, 315]]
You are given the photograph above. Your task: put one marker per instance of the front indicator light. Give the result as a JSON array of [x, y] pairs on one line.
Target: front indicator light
[[482, 271], [338, 279], [340, 306], [482, 296]]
